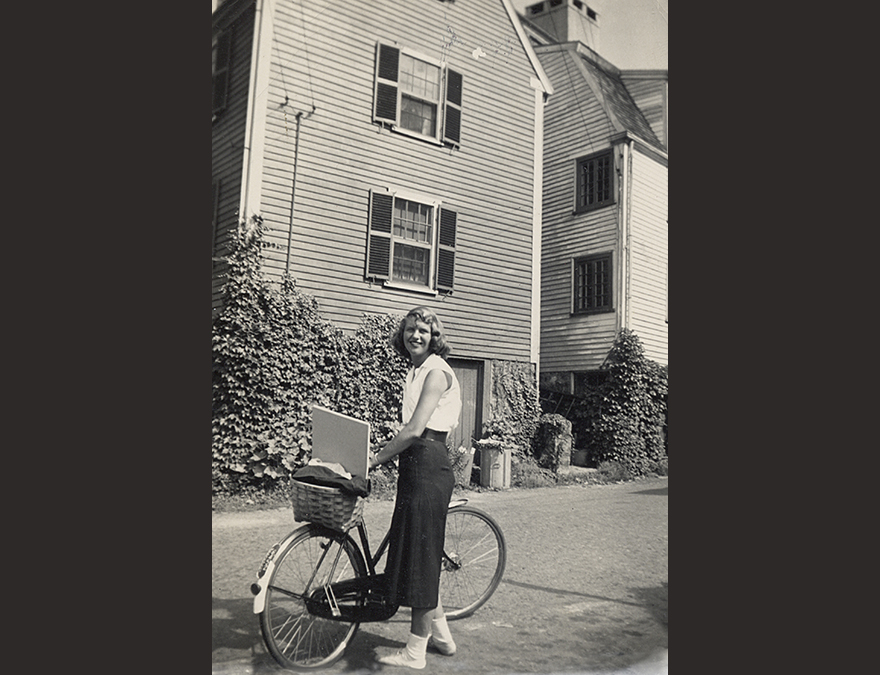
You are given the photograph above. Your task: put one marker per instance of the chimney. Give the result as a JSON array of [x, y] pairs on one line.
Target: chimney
[[567, 20]]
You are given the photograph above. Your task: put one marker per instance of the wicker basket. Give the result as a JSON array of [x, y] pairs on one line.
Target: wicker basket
[[325, 505]]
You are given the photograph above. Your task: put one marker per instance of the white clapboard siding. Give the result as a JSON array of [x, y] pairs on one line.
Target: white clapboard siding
[[576, 125], [649, 232], [228, 146], [323, 55]]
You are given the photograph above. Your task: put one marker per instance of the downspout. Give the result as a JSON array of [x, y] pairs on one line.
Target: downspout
[[537, 214], [299, 118], [623, 241]]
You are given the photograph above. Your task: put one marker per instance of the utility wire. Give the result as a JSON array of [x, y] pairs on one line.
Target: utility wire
[[278, 53], [306, 46], [293, 52], [577, 98]]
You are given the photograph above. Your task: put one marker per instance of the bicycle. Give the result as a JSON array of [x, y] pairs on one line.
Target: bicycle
[[311, 598]]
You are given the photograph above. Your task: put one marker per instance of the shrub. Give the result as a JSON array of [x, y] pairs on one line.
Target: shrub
[[661, 467], [622, 419], [525, 473], [612, 471], [273, 357], [383, 482], [553, 436], [262, 340], [369, 377]]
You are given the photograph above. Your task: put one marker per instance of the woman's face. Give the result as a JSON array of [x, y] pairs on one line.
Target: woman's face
[[417, 338]]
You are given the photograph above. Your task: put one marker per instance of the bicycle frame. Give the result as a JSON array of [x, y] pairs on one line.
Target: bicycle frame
[[346, 590]]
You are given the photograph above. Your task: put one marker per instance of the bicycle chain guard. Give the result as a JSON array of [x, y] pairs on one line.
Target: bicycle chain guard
[[358, 600]]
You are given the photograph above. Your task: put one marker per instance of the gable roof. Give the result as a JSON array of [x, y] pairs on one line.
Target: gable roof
[[608, 87], [620, 104], [604, 79]]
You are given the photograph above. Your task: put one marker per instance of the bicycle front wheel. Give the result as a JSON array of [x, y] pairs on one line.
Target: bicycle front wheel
[[474, 555], [295, 637]]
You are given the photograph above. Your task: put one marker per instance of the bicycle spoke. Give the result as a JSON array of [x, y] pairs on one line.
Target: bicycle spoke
[[290, 594], [295, 636], [484, 540], [474, 548]]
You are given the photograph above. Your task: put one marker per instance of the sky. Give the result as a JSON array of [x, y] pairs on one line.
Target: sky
[[633, 34]]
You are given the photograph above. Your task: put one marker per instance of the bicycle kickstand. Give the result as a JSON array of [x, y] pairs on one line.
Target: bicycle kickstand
[[328, 590], [331, 600]]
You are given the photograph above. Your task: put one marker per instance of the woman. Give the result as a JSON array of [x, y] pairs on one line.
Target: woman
[[431, 407]]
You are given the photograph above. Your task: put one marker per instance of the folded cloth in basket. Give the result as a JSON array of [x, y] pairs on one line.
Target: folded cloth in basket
[[333, 466], [321, 475]]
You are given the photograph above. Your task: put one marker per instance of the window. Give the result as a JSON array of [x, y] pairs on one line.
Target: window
[[595, 182], [416, 95], [585, 382], [221, 48], [419, 95], [592, 284], [411, 241]]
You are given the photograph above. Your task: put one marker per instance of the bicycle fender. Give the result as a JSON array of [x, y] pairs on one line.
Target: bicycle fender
[[261, 585]]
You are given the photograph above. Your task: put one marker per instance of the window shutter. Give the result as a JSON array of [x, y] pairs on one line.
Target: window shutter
[[220, 76], [452, 108], [385, 101], [446, 250], [215, 205], [379, 236]]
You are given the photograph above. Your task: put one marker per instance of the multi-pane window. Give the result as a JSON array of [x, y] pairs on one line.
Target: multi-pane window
[[592, 284], [595, 182], [413, 241], [419, 95], [416, 95]]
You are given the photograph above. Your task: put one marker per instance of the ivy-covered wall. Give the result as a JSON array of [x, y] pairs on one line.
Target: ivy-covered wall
[[514, 408], [274, 356]]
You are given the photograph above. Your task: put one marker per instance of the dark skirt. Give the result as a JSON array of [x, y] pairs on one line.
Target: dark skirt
[[418, 524]]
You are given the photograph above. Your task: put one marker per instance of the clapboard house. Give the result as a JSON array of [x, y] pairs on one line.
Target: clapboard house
[[604, 252], [393, 148]]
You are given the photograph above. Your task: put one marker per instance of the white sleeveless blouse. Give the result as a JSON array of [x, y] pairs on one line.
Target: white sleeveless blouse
[[445, 417]]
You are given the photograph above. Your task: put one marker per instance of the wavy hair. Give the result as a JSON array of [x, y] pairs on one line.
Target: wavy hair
[[439, 344]]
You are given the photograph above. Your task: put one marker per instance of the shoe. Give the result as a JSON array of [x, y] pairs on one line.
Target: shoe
[[402, 658], [445, 648]]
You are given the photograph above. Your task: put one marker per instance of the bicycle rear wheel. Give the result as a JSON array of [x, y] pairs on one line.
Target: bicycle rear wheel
[[295, 637], [474, 556]]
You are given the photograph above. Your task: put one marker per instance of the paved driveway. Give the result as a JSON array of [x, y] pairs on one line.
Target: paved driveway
[[585, 590]]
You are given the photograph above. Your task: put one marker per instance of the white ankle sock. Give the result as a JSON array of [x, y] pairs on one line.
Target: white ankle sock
[[440, 630], [416, 646]]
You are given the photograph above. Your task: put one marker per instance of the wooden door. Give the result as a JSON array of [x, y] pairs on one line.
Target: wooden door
[[470, 425]]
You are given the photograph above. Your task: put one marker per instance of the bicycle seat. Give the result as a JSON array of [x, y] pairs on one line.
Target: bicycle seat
[[457, 502]]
